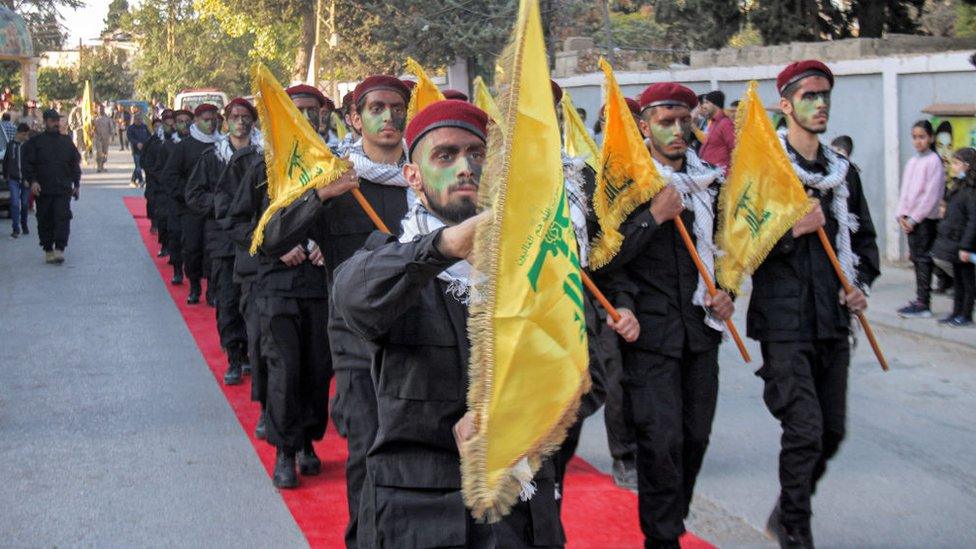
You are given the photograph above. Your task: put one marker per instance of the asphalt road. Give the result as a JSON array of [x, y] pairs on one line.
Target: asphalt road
[[114, 433]]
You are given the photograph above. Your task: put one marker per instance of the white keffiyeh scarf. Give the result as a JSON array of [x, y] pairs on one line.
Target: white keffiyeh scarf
[[381, 174], [834, 180], [203, 137], [418, 222], [573, 178], [225, 151], [695, 187]]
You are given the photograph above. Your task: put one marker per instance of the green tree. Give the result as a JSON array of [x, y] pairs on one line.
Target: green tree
[[109, 72], [54, 83], [43, 20], [117, 10]]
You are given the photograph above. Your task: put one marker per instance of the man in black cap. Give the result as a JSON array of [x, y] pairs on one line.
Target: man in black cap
[[718, 145], [52, 166]]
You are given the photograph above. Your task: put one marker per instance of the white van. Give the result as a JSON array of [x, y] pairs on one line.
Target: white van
[[191, 99]]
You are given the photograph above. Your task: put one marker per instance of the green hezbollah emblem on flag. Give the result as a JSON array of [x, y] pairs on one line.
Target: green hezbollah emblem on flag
[[528, 354]]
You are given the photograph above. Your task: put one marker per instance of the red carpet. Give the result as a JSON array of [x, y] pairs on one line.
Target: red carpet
[[596, 514]]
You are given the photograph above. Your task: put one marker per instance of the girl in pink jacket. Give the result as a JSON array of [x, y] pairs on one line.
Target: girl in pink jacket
[[922, 187]]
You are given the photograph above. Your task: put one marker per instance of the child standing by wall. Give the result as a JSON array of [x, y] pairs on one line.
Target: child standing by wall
[[922, 187], [956, 239]]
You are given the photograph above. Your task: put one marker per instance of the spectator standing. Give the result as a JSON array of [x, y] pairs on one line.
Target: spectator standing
[[52, 165], [922, 187], [104, 128], [14, 174], [718, 145], [122, 120], [30, 116], [957, 237], [138, 134]]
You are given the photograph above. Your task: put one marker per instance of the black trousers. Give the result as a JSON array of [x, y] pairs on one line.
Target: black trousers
[[174, 216], [252, 324], [621, 435], [296, 347], [53, 220], [806, 390], [402, 517], [194, 244], [920, 242], [230, 321], [161, 219], [355, 408], [673, 403], [963, 275]]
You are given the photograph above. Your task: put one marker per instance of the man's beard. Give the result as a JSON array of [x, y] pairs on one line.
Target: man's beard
[[669, 156], [807, 127], [452, 213]]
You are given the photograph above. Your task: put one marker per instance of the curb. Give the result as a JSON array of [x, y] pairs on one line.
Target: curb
[[925, 327]]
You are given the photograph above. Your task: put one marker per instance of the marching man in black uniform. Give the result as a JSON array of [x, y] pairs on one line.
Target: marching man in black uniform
[[671, 366], [208, 195], [400, 296], [202, 135], [798, 310], [379, 104]]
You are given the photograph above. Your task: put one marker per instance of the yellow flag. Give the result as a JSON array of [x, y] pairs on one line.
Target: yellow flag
[[340, 126], [297, 159], [628, 177], [529, 349], [87, 116], [761, 198], [576, 139], [424, 93], [484, 101]]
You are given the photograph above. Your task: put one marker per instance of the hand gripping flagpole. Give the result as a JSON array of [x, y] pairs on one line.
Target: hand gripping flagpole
[[846, 284], [710, 285]]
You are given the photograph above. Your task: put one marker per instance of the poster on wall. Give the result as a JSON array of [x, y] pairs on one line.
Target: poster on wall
[[955, 127]]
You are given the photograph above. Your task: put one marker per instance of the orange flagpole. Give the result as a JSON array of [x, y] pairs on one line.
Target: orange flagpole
[[846, 284], [709, 284]]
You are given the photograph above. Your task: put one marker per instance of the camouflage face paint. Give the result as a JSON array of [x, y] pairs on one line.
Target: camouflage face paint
[[374, 123], [205, 126], [663, 136], [807, 107]]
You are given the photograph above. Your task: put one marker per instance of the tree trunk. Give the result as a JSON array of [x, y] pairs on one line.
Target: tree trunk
[[306, 43], [870, 18]]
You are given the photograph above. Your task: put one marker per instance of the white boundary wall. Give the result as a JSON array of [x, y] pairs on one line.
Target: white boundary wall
[[875, 101]]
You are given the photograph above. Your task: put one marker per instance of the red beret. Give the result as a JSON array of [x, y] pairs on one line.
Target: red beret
[[633, 105], [204, 107], [667, 93], [242, 102], [311, 91], [184, 112], [167, 113], [450, 113], [347, 100], [557, 91], [455, 94], [381, 82], [798, 70], [410, 84]]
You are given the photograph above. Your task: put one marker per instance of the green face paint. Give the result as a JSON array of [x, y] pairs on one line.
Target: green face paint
[[807, 107], [206, 126], [374, 123], [439, 176], [664, 136]]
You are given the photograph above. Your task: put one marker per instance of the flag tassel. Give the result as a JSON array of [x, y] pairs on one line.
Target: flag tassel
[[848, 289], [710, 285]]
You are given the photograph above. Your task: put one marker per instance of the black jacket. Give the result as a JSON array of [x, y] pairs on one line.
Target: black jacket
[[52, 160], [245, 265], [795, 291], [204, 194], [180, 163], [13, 160], [957, 230], [273, 278], [344, 229], [654, 276]]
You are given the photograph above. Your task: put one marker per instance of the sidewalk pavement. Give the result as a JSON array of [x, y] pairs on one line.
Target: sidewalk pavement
[[895, 289]]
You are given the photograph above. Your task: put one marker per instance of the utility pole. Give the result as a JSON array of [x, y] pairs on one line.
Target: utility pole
[[608, 34]]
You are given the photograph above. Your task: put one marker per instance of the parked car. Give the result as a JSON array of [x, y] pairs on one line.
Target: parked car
[[191, 99]]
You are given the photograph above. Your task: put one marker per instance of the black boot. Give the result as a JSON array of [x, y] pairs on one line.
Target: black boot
[[284, 470], [261, 429], [163, 252], [177, 276], [194, 296], [792, 537], [233, 376], [309, 463]]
